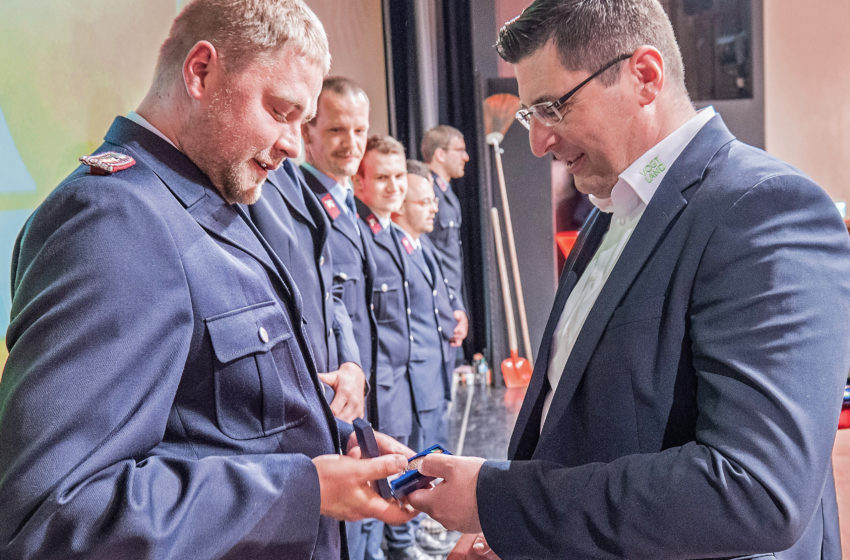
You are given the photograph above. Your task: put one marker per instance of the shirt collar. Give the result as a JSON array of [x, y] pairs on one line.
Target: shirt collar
[[444, 186], [639, 181], [143, 122], [416, 243], [337, 190]]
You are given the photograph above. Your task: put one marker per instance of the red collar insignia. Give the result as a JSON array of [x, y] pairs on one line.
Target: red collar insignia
[[330, 206], [107, 163], [408, 246], [374, 224]]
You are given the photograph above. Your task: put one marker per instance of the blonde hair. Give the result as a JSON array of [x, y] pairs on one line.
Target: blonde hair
[[438, 137], [242, 30]]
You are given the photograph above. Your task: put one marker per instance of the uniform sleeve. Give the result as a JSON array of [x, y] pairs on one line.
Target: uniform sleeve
[[100, 330], [769, 348]]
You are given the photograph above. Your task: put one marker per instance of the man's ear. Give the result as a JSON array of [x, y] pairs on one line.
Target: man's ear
[[647, 67], [200, 65]]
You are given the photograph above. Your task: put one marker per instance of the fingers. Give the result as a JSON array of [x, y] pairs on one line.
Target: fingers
[[462, 547], [331, 379], [386, 444], [437, 465], [379, 467]]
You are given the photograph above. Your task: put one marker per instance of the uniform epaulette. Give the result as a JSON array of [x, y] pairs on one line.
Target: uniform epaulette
[[107, 163]]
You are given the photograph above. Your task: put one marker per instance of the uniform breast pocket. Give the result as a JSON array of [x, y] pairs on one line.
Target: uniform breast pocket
[[387, 297], [258, 385], [346, 284]]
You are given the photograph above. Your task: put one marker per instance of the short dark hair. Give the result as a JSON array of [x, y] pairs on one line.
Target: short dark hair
[[590, 33], [437, 137], [383, 144], [416, 167], [339, 85]]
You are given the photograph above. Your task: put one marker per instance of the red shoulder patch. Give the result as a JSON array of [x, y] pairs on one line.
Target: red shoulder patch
[[107, 163]]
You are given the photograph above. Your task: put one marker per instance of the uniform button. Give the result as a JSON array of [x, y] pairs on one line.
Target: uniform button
[[372, 306], [405, 283], [411, 338], [384, 287], [408, 311], [439, 329], [327, 296], [434, 293], [451, 223], [343, 275], [263, 334], [322, 260], [436, 311], [451, 297], [445, 281], [330, 333]]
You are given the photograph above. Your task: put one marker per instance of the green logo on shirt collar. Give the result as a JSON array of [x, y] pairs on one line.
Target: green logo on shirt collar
[[652, 169]]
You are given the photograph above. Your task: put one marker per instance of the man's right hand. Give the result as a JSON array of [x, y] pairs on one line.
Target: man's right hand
[[346, 491], [470, 547]]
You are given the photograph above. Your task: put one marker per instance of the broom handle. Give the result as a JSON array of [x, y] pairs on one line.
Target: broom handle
[[523, 320], [503, 275]]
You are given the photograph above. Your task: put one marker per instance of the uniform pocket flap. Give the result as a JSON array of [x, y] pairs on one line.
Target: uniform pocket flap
[[249, 330]]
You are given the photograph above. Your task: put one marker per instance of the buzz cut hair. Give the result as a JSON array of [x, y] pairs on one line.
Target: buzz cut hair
[[437, 137], [242, 31], [383, 144], [590, 33], [339, 85]]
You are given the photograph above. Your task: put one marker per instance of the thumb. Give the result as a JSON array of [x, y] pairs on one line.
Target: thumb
[[380, 467], [436, 465], [329, 378]]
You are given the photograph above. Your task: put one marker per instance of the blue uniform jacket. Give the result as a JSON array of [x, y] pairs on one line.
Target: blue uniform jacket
[[352, 278], [431, 325], [291, 220], [447, 242], [391, 308], [159, 399], [696, 414]]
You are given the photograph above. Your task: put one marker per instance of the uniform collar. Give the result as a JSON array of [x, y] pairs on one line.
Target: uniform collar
[[143, 122]]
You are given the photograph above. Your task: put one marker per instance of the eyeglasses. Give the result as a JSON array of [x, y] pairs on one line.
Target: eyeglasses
[[548, 113], [431, 201]]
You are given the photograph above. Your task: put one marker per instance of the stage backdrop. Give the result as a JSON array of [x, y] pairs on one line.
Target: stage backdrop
[[69, 67]]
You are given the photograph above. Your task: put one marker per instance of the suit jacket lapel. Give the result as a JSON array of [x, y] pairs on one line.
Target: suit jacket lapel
[[666, 204], [528, 421]]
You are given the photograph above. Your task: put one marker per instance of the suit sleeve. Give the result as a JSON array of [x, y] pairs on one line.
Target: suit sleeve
[[101, 327], [768, 344]]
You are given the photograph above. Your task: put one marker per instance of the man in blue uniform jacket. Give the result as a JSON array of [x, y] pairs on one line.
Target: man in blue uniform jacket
[[688, 384], [432, 306], [380, 185], [444, 150], [333, 143], [160, 399], [290, 218]]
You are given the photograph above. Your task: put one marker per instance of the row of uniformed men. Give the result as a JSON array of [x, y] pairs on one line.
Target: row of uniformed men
[[381, 299]]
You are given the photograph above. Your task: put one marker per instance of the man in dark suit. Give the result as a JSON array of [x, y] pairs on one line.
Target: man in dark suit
[[292, 221], [688, 385], [160, 399], [444, 150]]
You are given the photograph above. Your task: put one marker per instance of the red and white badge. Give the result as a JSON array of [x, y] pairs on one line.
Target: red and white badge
[[330, 205], [374, 224], [408, 246], [107, 163]]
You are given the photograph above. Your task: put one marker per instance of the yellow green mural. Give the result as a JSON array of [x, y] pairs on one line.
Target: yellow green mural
[[66, 69]]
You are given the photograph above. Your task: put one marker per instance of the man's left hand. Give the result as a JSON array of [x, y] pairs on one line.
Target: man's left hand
[[349, 385], [453, 502], [461, 328]]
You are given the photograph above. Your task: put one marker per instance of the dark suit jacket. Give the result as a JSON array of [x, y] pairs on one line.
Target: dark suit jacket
[[159, 400], [294, 224], [391, 308], [352, 281], [447, 242], [696, 414]]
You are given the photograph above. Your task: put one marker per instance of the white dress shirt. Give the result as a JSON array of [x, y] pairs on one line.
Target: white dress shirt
[[629, 198]]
